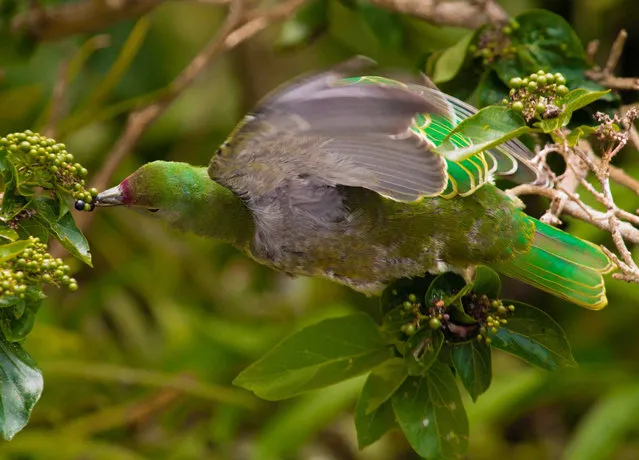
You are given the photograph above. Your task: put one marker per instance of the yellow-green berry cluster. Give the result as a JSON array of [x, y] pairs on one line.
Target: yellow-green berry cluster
[[39, 159], [33, 266], [436, 316], [494, 42], [534, 96]]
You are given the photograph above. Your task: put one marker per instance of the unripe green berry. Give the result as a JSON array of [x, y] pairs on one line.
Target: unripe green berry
[[515, 82], [533, 77], [518, 106], [408, 329], [407, 305], [532, 85], [412, 298], [560, 79], [507, 30], [434, 323], [488, 341], [73, 287], [542, 80], [550, 78], [540, 107], [562, 90]]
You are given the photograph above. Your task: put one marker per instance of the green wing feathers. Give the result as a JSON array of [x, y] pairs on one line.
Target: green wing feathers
[[563, 265]]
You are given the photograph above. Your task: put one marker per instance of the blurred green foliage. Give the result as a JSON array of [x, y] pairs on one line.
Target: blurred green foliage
[[139, 362]]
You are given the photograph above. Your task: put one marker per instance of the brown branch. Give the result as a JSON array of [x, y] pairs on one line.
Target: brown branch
[[85, 16], [605, 76], [469, 15]]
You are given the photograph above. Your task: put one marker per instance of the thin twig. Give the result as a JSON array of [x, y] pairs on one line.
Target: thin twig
[[606, 75]]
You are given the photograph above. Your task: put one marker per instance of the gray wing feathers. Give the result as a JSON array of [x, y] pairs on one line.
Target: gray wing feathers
[[366, 130]]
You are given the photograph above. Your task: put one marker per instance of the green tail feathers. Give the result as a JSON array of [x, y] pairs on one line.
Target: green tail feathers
[[563, 265]]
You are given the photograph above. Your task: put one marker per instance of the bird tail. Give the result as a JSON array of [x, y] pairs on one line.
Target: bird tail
[[563, 265]]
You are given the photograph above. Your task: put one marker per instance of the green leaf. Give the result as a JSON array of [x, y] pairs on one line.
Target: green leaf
[[63, 229], [488, 128], [20, 388], [571, 102], [579, 132], [10, 250], [391, 328], [535, 337], [308, 23], [323, 354], [430, 411], [451, 60], [422, 350], [472, 361], [604, 428], [7, 233], [447, 287], [16, 329], [374, 412], [383, 381], [371, 427], [486, 281]]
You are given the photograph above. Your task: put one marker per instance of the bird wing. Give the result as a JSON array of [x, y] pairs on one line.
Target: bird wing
[[372, 132]]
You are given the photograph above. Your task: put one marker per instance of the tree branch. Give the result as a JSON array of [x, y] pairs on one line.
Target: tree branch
[[85, 16], [469, 15]]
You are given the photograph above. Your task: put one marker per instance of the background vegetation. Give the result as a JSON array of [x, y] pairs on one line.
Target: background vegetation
[[138, 362]]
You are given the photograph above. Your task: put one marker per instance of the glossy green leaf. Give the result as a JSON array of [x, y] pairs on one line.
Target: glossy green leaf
[[10, 250], [486, 281], [370, 427], [323, 354], [451, 60], [430, 411], [486, 129], [422, 350], [63, 229], [447, 287], [383, 381], [7, 233], [20, 388], [571, 102], [473, 363], [16, 329], [535, 337]]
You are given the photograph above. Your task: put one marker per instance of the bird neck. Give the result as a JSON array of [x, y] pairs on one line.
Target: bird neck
[[209, 209]]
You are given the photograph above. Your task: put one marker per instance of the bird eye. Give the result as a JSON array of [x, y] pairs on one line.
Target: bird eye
[[153, 210]]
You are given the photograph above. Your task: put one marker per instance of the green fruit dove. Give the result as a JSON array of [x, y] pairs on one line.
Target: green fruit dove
[[335, 177]]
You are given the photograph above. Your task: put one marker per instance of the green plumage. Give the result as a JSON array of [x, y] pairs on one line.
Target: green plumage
[[336, 177]]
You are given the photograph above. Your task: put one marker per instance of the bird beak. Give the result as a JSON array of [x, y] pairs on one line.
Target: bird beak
[[110, 197]]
